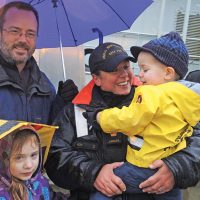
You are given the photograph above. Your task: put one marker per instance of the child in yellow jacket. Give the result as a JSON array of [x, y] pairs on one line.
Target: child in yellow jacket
[[161, 115]]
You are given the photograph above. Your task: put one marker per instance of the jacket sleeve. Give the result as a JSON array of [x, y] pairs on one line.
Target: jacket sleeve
[[135, 117], [66, 166], [56, 107], [185, 164]]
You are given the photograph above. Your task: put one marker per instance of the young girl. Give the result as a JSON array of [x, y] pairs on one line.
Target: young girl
[[20, 167]]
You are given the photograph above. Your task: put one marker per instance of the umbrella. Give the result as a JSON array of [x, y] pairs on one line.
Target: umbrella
[[73, 22]]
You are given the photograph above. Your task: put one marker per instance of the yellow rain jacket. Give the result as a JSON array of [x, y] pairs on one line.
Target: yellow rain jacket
[[162, 116]]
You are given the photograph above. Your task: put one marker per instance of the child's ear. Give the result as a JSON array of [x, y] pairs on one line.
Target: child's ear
[[170, 74]]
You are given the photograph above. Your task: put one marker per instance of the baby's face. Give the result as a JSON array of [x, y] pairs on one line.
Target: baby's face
[[152, 72], [25, 163]]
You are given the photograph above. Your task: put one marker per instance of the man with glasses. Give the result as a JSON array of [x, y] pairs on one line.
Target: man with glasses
[[25, 92]]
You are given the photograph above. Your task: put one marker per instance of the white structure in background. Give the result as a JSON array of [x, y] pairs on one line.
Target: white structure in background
[[160, 18]]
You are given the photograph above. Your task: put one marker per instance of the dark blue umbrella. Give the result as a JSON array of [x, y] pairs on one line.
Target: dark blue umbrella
[[72, 22]]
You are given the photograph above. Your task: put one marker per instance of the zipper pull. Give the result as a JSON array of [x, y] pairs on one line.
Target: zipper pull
[[31, 189]]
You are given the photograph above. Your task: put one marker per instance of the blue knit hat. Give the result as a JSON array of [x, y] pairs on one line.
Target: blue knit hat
[[169, 50]]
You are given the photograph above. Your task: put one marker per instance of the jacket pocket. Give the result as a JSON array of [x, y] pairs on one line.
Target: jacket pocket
[[88, 143]]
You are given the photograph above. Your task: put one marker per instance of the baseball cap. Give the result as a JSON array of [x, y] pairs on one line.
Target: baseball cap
[[107, 57]]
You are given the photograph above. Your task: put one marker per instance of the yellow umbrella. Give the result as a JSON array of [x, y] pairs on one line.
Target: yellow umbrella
[[45, 132]]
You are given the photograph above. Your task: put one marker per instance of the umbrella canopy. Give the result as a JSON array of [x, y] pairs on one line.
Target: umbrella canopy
[[71, 22], [45, 132]]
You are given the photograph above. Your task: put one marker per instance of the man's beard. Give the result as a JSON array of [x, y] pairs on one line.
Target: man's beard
[[6, 58], [6, 53]]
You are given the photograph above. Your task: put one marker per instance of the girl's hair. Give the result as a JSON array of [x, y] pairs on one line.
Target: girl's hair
[[18, 189]]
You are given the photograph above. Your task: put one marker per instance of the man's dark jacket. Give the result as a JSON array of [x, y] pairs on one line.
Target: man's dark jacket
[[74, 163], [28, 97]]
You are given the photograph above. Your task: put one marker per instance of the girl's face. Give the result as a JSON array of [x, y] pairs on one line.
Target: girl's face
[[25, 163]]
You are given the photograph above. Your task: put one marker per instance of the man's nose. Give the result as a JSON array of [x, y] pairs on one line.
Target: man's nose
[[22, 37]]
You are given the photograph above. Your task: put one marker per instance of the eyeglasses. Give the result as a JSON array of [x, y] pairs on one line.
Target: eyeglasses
[[18, 33]]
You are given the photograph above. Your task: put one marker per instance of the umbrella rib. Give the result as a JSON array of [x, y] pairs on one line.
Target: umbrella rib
[[75, 41], [115, 13]]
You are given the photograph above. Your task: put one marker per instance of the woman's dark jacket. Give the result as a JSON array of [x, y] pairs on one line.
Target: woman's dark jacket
[[74, 163]]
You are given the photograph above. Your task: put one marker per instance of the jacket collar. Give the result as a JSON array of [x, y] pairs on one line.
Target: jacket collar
[[85, 95], [39, 80]]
